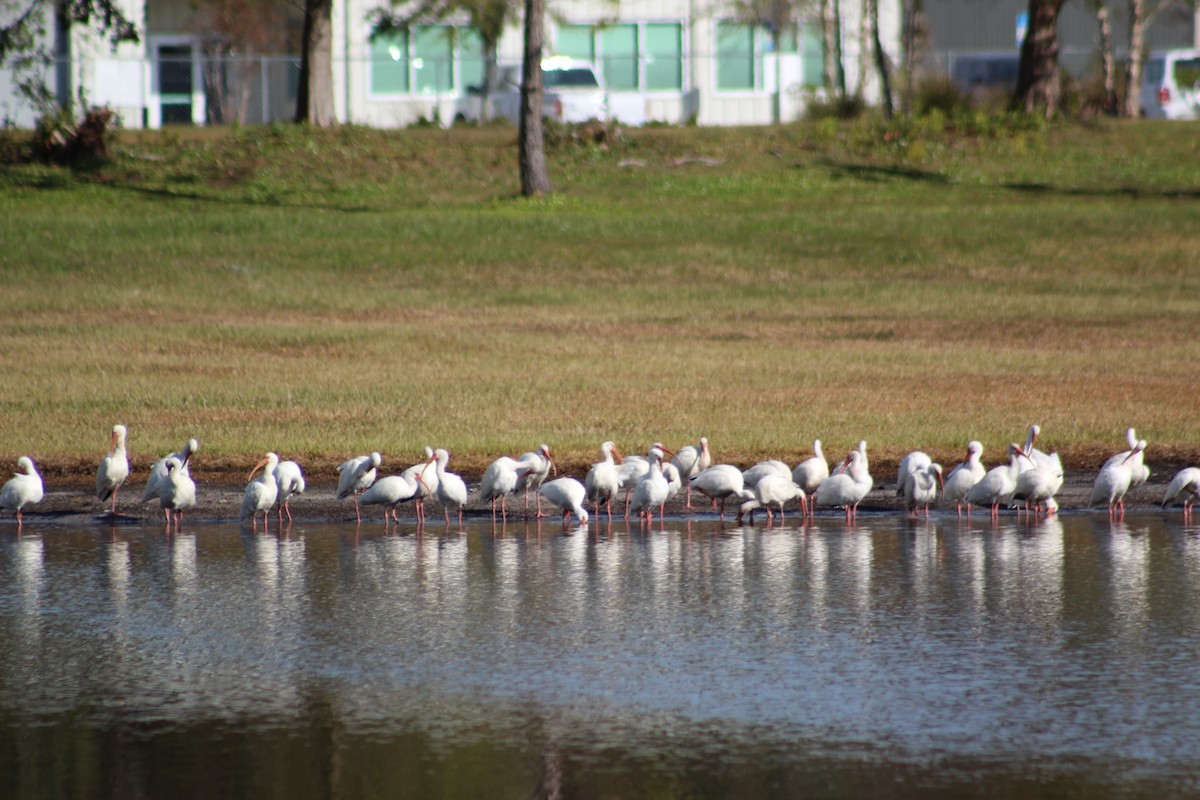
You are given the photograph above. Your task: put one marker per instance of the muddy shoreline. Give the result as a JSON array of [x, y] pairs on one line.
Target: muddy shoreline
[[219, 498]]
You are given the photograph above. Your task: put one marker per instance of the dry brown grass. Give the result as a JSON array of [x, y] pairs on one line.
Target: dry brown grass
[[757, 304]]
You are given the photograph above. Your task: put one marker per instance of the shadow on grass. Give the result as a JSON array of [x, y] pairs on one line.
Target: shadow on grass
[[266, 201], [1131, 192], [874, 173]]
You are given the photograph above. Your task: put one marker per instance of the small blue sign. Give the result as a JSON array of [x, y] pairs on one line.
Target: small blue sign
[[1022, 27]]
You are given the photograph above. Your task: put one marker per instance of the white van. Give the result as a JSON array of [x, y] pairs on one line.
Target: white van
[[573, 91], [1171, 85]]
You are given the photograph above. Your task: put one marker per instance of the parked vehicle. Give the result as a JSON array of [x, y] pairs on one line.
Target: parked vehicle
[[1171, 85], [573, 91]]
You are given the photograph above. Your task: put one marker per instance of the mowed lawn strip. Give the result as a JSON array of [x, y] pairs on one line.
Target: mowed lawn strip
[[328, 293]]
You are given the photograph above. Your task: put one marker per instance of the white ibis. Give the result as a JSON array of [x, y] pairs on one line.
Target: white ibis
[[908, 465], [864, 461], [451, 489], [391, 491], [355, 476], [652, 490], [751, 476], [997, 484], [719, 482], [178, 493], [691, 460], [1186, 483], [921, 487], [1112, 483], [158, 471], [23, 489], [426, 486], [848, 487], [962, 477], [114, 468], [540, 464], [289, 480], [809, 473], [1036, 487], [567, 495], [261, 492], [1037, 459], [778, 489], [603, 480], [1137, 464], [499, 481]]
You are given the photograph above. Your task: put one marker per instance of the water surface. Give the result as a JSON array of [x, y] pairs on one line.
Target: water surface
[[891, 659]]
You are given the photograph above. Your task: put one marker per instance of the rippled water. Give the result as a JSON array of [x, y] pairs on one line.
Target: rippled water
[[891, 659]]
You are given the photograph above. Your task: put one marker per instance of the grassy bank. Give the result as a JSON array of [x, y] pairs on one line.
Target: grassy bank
[[326, 293]]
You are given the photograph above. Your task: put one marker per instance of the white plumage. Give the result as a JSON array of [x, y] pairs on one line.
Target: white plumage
[[997, 484], [499, 481], [603, 480], [567, 495], [921, 488], [23, 489], [652, 490], [261, 492], [777, 490], [289, 481], [355, 476], [1186, 483], [848, 487], [719, 482], [691, 461], [1139, 472], [451, 490], [762, 469], [908, 465], [1113, 482], [391, 491], [158, 471], [114, 468], [809, 473], [178, 493], [962, 477]]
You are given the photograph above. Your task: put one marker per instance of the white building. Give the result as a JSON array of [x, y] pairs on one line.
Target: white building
[[672, 61]]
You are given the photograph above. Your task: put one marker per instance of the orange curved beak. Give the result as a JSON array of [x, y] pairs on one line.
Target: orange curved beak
[[257, 467]]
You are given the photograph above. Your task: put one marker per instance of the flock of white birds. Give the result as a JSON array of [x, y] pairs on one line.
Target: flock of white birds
[[1029, 479]]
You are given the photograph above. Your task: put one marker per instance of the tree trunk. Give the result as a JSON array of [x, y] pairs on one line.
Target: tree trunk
[[1107, 58], [489, 79], [1038, 78], [839, 73], [535, 181], [827, 49], [864, 49], [1139, 20], [777, 99], [314, 99], [881, 63]]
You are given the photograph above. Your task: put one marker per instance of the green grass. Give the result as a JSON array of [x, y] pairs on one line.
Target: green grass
[[326, 293]]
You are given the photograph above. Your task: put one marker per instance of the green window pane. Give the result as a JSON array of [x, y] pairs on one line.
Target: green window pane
[[735, 56], [664, 57], [619, 52], [812, 57], [432, 60], [389, 64], [471, 62], [575, 41], [787, 43]]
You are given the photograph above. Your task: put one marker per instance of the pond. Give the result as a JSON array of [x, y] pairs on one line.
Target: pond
[[889, 659]]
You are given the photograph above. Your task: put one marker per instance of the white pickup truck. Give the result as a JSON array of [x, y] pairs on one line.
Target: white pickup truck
[[573, 91]]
